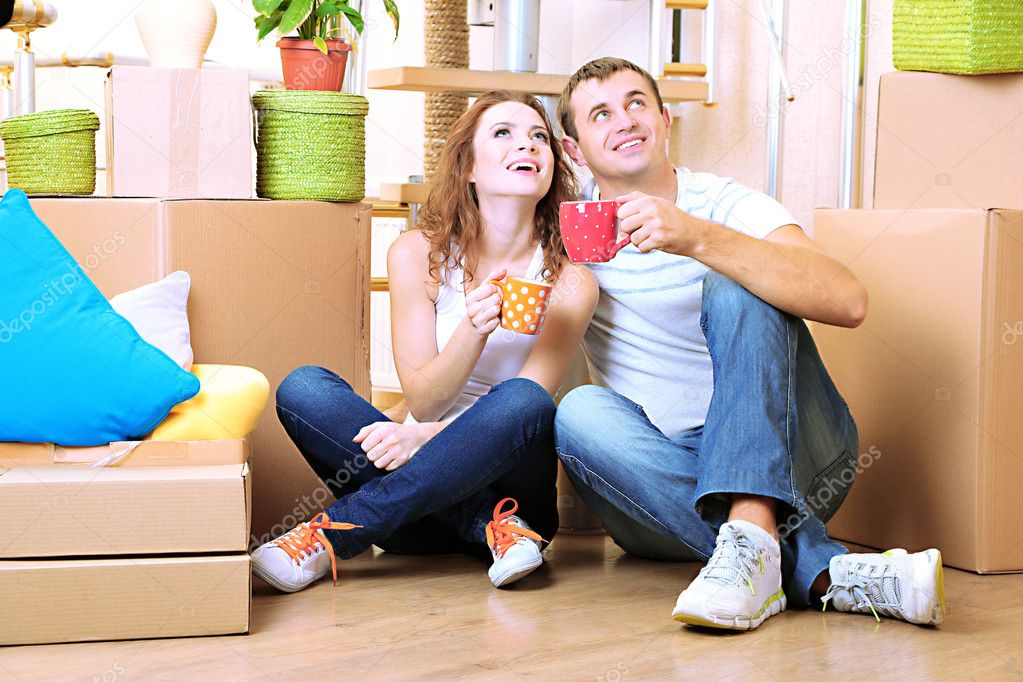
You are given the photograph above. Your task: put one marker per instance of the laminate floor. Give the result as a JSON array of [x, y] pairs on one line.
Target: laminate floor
[[591, 613]]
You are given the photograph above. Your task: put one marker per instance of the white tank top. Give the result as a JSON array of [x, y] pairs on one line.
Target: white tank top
[[505, 352]]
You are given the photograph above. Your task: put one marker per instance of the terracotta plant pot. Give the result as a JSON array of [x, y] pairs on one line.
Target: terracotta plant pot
[[306, 68]]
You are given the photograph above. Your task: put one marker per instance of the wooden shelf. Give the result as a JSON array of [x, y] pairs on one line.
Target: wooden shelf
[[686, 4], [423, 79], [405, 193], [690, 70], [387, 209]]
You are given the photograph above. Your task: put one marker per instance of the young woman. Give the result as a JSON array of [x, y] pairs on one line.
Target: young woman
[[478, 444]]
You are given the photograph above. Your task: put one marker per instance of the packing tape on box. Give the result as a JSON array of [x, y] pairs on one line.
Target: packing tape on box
[[116, 457], [183, 127]]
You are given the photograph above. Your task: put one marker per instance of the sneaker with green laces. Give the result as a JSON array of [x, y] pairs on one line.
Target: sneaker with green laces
[[895, 584], [740, 587]]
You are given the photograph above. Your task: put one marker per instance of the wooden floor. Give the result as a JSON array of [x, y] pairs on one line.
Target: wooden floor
[[591, 613]]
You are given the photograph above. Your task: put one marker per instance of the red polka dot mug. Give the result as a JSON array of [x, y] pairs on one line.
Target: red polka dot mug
[[589, 230]]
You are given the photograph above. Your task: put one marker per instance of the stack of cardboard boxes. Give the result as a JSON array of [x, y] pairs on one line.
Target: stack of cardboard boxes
[[934, 377], [156, 546]]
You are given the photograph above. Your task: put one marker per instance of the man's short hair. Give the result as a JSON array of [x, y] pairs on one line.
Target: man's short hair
[[600, 69]]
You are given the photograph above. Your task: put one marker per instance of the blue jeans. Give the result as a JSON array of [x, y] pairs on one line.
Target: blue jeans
[[441, 500], [776, 427]]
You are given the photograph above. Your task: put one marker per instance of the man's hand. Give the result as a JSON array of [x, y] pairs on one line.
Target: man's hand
[[389, 445], [655, 223]]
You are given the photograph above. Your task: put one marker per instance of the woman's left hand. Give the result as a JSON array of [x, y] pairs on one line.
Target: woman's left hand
[[389, 445]]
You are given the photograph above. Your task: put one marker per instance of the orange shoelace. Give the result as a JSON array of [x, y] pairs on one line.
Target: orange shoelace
[[502, 535], [301, 541]]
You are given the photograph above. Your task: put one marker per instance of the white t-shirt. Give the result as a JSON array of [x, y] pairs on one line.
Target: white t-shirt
[[645, 340]]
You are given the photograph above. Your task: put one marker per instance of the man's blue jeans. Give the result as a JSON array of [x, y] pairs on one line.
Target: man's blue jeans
[[776, 427], [441, 500]]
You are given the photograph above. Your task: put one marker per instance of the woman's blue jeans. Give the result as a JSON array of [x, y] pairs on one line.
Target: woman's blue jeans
[[441, 500], [776, 427]]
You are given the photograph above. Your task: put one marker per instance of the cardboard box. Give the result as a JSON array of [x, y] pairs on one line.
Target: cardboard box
[[275, 285], [179, 133], [127, 453], [77, 600], [947, 141], [73, 511], [934, 379]]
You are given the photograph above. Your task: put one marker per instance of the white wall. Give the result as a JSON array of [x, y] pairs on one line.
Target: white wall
[[728, 139]]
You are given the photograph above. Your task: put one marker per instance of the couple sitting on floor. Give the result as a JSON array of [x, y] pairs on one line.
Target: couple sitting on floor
[[712, 430]]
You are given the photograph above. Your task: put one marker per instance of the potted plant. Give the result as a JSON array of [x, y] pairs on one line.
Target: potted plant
[[315, 59]]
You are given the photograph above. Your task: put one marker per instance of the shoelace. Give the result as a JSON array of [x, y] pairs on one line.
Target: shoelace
[[302, 540], [858, 586], [502, 534], [726, 567], [857, 590]]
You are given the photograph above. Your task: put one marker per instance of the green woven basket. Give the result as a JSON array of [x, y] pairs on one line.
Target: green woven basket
[[958, 36], [310, 144], [51, 152]]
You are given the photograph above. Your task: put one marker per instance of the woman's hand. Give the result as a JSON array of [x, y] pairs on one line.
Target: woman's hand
[[389, 445], [483, 304]]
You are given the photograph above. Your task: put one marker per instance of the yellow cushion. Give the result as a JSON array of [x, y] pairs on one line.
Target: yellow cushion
[[228, 405]]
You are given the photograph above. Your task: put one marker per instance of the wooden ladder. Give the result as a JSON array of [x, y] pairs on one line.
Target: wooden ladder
[[663, 25]]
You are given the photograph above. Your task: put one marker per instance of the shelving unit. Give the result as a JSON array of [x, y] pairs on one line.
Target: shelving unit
[[472, 82], [403, 193]]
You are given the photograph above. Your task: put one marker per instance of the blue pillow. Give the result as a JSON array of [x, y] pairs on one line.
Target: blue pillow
[[72, 371]]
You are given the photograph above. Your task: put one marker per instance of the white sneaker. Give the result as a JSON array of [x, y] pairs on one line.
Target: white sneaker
[[515, 547], [300, 557], [894, 584], [740, 587]]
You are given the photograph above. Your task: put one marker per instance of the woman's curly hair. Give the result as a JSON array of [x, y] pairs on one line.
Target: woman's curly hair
[[450, 219]]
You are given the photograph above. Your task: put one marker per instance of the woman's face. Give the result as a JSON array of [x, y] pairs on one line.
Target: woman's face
[[513, 155]]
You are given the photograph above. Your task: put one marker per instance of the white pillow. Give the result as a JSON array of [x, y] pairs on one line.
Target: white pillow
[[159, 313]]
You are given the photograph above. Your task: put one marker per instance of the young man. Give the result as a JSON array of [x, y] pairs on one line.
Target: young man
[[713, 431]]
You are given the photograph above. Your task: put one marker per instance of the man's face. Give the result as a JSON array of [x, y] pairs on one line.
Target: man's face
[[621, 132]]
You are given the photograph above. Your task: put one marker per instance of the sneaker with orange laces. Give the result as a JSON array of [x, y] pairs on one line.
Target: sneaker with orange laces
[[516, 548], [300, 557]]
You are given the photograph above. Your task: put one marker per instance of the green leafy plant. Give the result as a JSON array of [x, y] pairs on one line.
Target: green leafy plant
[[315, 20]]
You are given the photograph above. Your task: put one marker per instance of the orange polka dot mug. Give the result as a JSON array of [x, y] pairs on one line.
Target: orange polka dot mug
[[589, 229], [523, 304]]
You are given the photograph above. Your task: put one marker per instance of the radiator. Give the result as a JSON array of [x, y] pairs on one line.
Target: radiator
[[382, 374]]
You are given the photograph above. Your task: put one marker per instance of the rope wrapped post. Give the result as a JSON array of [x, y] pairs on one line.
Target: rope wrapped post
[[446, 32]]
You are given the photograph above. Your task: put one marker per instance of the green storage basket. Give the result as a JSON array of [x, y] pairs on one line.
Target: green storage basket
[[51, 152], [310, 144], [958, 36]]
